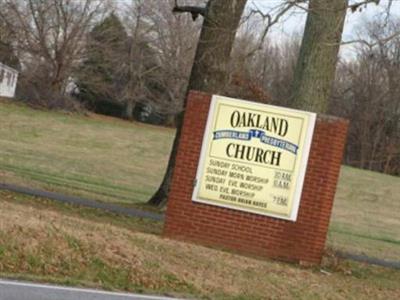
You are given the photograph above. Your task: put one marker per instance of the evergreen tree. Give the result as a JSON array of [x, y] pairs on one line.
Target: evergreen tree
[[120, 69], [100, 78], [7, 55]]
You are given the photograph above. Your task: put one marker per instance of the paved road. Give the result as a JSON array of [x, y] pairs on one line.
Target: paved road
[[115, 208], [370, 260], [14, 290]]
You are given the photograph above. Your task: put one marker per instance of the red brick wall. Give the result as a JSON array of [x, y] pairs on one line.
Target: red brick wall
[[248, 233]]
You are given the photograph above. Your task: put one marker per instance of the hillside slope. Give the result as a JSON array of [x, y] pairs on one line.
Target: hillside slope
[[43, 241], [366, 214], [113, 160], [96, 157]]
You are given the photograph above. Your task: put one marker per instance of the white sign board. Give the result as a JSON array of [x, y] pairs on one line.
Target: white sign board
[[254, 157]]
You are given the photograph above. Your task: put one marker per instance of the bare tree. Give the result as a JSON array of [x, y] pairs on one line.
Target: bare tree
[[366, 92], [210, 67], [175, 41], [49, 37], [143, 66], [315, 70], [269, 69], [7, 54], [153, 62]]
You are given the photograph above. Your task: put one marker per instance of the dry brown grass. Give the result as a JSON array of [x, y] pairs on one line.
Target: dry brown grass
[[53, 242]]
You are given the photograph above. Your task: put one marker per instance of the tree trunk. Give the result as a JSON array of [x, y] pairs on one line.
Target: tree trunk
[[316, 65], [209, 71], [130, 106]]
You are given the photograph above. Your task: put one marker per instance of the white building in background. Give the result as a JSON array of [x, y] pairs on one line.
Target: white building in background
[[8, 81]]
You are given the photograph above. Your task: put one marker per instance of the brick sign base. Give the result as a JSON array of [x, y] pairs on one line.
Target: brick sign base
[[248, 233]]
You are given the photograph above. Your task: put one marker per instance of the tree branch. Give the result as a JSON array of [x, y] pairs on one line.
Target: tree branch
[[194, 10], [272, 19], [381, 41], [355, 6]]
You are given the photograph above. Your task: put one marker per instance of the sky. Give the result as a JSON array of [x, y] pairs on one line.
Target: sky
[[294, 22]]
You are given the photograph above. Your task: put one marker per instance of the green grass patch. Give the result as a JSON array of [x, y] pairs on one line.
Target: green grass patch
[[123, 162], [95, 157], [365, 218]]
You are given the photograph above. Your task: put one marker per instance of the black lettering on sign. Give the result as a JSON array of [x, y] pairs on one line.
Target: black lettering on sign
[[212, 187], [232, 183], [220, 164], [236, 175], [228, 198], [258, 155], [215, 179], [280, 200], [224, 190], [252, 120], [282, 184]]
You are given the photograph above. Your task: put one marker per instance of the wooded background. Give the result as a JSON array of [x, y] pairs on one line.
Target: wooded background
[[136, 57]]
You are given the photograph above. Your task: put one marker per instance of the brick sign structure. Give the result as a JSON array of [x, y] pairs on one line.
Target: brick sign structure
[[299, 239]]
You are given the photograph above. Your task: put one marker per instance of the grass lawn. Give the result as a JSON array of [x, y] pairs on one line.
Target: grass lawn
[[117, 161], [366, 214], [44, 241], [96, 157]]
